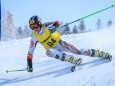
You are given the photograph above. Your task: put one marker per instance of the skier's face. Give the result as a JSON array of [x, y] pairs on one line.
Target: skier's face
[[34, 26], [37, 29]]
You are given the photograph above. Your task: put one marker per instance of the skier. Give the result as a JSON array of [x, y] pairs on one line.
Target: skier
[[55, 46]]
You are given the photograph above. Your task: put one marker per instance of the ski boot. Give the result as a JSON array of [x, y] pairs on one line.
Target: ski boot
[[101, 54], [70, 59], [78, 62], [106, 55]]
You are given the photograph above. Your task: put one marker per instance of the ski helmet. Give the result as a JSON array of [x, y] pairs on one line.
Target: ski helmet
[[34, 22]]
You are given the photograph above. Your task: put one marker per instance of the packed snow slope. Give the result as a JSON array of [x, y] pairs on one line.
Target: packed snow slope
[[52, 72]]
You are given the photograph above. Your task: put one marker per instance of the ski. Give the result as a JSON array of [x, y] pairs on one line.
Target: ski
[[73, 68]]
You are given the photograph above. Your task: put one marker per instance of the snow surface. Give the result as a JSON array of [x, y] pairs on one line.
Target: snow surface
[[52, 72]]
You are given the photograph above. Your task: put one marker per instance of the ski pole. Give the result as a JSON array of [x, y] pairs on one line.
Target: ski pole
[[7, 71], [86, 16]]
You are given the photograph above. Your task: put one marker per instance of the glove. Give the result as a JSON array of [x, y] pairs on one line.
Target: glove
[[29, 69], [29, 64], [56, 24]]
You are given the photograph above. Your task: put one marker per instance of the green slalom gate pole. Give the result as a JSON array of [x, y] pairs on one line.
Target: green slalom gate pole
[[7, 71], [86, 16]]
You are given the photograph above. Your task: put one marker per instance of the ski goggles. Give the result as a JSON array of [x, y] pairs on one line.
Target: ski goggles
[[33, 26]]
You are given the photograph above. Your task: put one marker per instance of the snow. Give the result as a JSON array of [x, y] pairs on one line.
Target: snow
[[52, 72]]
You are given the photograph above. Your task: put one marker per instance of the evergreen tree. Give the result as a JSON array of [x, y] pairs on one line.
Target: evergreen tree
[[110, 23], [8, 29], [99, 24], [61, 30], [19, 33], [75, 29], [82, 27], [27, 32], [67, 29], [20, 30]]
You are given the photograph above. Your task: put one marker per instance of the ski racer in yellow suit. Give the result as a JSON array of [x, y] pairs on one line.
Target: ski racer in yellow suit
[[55, 47]]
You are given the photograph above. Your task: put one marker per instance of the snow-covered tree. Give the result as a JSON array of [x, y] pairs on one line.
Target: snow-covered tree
[[75, 29], [27, 31], [110, 23], [99, 24], [67, 29], [82, 27], [8, 28]]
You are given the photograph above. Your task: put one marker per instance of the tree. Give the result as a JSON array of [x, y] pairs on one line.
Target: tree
[[99, 24], [110, 23], [61, 30], [82, 27], [27, 31], [67, 29], [19, 33], [20, 30], [75, 29], [8, 29]]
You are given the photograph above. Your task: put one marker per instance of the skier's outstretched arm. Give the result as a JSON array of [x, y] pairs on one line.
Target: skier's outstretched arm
[[30, 54]]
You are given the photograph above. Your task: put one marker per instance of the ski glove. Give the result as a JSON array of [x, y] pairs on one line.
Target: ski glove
[[29, 65], [56, 24], [29, 69]]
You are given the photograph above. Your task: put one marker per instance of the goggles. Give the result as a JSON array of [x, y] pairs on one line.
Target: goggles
[[33, 26]]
